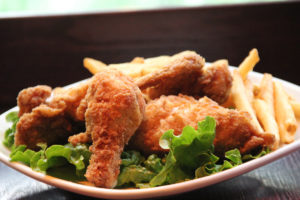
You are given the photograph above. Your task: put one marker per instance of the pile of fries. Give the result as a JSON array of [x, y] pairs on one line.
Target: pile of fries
[[271, 109]]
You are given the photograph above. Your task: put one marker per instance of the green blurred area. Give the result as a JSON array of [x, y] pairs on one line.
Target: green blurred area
[[54, 6]]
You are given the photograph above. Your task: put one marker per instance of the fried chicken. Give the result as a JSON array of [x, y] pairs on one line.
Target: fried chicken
[[49, 119], [184, 73], [178, 75], [32, 97], [215, 82], [234, 129], [115, 109]]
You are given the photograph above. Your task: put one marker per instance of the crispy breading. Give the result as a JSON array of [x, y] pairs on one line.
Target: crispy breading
[[185, 73], [49, 120], [215, 82], [234, 129], [115, 109], [179, 74], [32, 97], [45, 125]]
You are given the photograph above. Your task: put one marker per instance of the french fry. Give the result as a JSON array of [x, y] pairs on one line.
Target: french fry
[[248, 63], [266, 92], [240, 99], [284, 115], [139, 60], [249, 89], [296, 107], [138, 67], [267, 120], [93, 65]]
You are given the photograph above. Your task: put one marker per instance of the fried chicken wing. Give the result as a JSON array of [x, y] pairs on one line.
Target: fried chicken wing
[[178, 75], [185, 74], [115, 109], [32, 97], [234, 129], [215, 82], [49, 120], [45, 125]]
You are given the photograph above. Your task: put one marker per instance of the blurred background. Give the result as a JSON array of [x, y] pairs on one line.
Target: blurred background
[[44, 41], [16, 7]]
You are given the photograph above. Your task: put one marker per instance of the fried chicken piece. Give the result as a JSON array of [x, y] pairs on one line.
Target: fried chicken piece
[[49, 119], [215, 82], [115, 109], [179, 74], [185, 74], [45, 125], [32, 97], [234, 129]]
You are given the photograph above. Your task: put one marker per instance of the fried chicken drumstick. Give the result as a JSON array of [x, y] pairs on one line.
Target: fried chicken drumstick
[[234, 129], [114, 110]]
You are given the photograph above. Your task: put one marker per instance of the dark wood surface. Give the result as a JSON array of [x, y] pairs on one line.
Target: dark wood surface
[[49, 50]]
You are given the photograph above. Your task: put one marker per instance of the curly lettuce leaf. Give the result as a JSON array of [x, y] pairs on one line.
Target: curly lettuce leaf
[[131, 158], [135, 174], [53, 156], [232, 158], [263, 152], [154, 163], [191, 149], [136, 171], [9, 135]]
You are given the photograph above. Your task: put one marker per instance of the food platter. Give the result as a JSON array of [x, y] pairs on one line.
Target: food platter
[[186, 186]]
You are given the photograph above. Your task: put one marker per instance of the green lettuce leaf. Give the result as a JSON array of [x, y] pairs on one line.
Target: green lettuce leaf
[[191, 149], [154, 163], [53, 156], [263, 152], [136, 171], [9, 135], [131, 158], [135, 174]]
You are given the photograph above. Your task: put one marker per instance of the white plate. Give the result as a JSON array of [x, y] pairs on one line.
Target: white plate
[[292, 89]]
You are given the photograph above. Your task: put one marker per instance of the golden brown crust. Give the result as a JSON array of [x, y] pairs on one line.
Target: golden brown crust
[[185, 73], [233, 130], [32, 97], [115, 109], [48, 121], [215, 82], [44, 125]]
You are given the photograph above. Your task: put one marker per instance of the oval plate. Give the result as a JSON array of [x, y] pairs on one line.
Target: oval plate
[[186, 186]]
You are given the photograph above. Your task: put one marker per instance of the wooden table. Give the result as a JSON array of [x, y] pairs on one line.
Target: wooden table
[[49, 50]]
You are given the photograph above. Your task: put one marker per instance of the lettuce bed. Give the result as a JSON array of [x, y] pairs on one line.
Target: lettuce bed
[[191, 155]]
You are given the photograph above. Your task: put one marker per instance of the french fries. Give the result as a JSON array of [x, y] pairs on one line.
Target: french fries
[[269, 106], [240, 98], [267, 120], [93, 65], [248, 64], [138, 67], [266, 92], [249, 89], [296, 107], [284, 115]]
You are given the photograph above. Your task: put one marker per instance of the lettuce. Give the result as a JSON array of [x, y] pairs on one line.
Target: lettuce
[[137, 171], [9, 135], [191, 155], [191, 149], [53, 156]]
